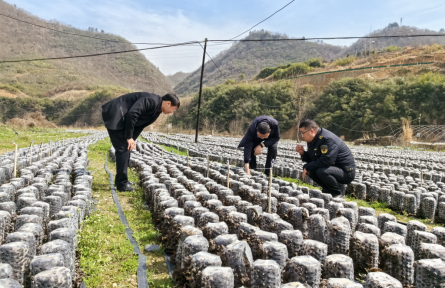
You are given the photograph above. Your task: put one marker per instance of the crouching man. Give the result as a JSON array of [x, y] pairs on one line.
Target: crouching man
[[329, 161], [264, 132]]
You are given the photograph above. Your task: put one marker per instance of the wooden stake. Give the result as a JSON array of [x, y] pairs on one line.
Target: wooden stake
[[30, 153], [41, 150], [14, 174], [228, 173], [51, 147], [207, 174], [270, 188], [188, 158], [421, 178]]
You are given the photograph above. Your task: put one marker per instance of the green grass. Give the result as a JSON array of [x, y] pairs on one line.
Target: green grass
[[106, 255], [384, 208], [298, 182], [167, 148], [7, 135]]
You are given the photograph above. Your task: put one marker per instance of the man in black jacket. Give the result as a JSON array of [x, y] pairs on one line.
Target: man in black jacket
[[125, 117], [329, 161], [263, 132]]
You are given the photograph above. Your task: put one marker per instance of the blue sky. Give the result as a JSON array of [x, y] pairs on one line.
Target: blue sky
[[175, 21]]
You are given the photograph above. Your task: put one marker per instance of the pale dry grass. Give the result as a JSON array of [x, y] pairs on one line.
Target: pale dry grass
[[30, 120], [72, 95]]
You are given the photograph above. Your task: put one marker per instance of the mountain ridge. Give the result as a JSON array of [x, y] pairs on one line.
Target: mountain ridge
[[44, 78]]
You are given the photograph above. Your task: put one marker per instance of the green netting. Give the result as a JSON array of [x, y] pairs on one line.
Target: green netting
[[411, 64], [362, 68]]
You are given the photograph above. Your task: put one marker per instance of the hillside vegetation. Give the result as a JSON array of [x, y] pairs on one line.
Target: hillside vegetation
[[231, 108], [369, 46], [177, 78], [346, 106], [369, 105], [249, 58], [46, 78], [254, 58]]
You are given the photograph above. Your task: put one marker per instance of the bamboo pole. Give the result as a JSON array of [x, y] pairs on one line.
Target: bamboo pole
[[228, 173], [207, 174], [41, 150], [270, 188], [30, 153], [421, 178], [14, 174]]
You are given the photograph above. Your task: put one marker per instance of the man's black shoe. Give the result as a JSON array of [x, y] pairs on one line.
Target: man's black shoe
[[126, 188]]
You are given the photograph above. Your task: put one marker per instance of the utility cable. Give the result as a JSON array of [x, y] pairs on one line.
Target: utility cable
[[263, 20], [77, 34], [328, 38], [98, 54]]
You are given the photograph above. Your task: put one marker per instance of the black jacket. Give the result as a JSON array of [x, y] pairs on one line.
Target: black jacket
[[326, 150], [251, 137], [131, 112]]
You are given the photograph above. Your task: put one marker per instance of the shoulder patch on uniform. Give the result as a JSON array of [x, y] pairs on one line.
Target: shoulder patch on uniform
[[321, 137], [324, 149]]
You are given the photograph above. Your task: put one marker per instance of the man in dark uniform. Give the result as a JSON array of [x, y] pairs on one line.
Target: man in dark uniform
[[125, 117], [263, 132], [329, 161]]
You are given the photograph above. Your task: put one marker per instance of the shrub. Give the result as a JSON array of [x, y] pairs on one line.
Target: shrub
[[293, 70], [392, 48], [9, 88], [345, 61], [315, 62]]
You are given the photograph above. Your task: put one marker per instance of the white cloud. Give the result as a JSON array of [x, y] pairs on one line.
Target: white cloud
[[132, 21]]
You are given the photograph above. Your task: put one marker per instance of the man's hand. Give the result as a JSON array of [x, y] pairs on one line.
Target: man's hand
[[246, 168], [257, 150], [131, 144], [299, 149], [304, 173]]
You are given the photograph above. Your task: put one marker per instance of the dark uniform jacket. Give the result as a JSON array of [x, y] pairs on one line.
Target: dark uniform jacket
[[326, 150], [251, 137], [132, 112]]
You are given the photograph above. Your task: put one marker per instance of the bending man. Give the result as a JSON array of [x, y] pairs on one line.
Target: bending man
[[329, 161], [263, 132], [125, 117]]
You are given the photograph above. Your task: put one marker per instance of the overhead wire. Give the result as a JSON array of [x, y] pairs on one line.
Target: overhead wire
[[263, 20], [77, 34], [97, 54], [327, 38]]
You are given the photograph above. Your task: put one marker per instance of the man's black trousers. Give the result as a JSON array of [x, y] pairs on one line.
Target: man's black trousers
[[271, 154], [331, 178], [120, 144]]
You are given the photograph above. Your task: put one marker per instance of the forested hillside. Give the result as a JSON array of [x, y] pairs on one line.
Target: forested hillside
[[177, 78], [366, 46], [249, 58], [46, 78], [346, 107]]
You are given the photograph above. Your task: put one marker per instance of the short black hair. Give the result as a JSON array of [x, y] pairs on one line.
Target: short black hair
[[309, 124], [263, 128], [172, 98]]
